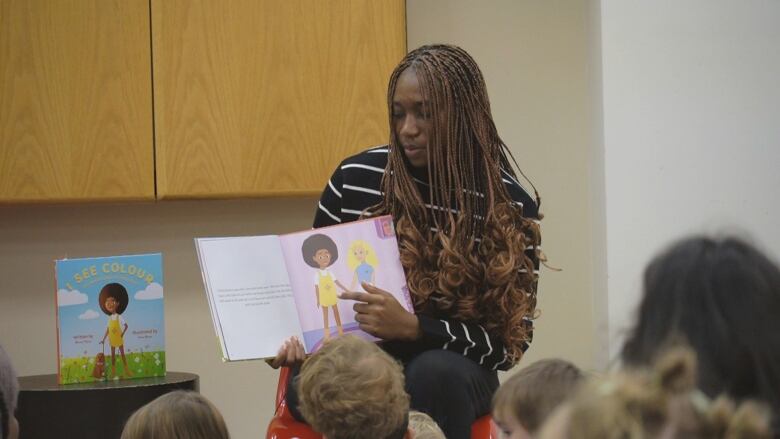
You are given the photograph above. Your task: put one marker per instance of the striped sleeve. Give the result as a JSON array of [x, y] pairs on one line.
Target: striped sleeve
[[468, 339], [329, 205]]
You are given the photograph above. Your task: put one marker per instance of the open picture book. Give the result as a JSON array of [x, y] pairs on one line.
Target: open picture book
[[263, 289]]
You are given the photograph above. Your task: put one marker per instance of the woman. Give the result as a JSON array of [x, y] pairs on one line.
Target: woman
[[467, 232]]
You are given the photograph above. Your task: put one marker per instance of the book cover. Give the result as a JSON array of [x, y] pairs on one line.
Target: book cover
[[110, 318], [263, 289]]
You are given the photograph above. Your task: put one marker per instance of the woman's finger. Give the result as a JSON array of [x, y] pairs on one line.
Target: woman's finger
[[280, 355], [300, 351], [361, 307], [367, 328], [290, 353]]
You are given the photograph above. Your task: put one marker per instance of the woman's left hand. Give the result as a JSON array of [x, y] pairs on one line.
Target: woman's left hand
[[379, 314]]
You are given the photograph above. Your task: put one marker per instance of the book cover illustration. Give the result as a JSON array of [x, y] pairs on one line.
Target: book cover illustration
[[110, 318], [324, 262]]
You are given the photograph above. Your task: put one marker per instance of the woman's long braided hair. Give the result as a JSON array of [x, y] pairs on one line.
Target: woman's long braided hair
[[489, 280]]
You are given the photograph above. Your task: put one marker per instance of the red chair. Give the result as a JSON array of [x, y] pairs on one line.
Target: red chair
[[284, 426]]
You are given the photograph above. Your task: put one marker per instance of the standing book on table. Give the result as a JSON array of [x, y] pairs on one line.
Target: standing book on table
[[110, 318], [263, 289]]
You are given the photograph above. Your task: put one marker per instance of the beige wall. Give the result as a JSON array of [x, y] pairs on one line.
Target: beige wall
[[536, 59], [535, 56], [31, 237]]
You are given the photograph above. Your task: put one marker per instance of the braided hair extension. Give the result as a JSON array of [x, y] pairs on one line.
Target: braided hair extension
[[490, 281]]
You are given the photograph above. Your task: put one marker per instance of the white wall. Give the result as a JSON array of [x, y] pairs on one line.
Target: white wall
[[691, 95]]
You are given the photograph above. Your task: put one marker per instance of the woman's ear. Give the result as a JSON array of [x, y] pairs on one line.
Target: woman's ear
[[409, 434]]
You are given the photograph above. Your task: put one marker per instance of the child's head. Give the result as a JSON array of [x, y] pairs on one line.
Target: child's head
[[9, 393], [177, 415], [522, 403], [352, 389], [722, 297], [424, 427], [113, 299], [319, 251], [359, 252], [662, 403]]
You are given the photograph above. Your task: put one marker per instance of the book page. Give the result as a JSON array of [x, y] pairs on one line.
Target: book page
[[324, 262], [249, 295]]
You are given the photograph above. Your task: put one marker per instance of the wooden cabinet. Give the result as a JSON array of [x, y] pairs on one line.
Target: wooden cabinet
[[75, 101], [211, 98], [265, 97]]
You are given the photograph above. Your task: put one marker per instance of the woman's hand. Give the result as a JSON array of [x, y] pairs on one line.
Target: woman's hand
[[379, 314], [290, 354]]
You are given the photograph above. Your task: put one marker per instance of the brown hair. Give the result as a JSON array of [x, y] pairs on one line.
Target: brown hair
[[177, 415], [352, 389], [533, 393], [491, 282], [118, 292], [317, 242], [663, 403]]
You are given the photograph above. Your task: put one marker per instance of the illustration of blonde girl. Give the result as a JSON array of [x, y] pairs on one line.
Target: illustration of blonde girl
[[113, 301], [320, 252], [362, 261]]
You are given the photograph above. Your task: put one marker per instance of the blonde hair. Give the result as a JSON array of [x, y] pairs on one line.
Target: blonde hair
[[352, 389], [424, 427], [533, 393], [177, 415], [661, 403], [353, 261]]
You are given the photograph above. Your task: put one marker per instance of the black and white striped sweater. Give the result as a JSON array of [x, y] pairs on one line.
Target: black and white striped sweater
[[356, 186]]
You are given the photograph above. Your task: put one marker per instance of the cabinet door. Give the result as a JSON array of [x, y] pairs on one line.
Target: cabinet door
[[265, 97], [75, 100]]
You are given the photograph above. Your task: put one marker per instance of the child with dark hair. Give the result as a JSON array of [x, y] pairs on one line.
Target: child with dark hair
[[113, 301], [721, 297], [525, 400], [320, 252]]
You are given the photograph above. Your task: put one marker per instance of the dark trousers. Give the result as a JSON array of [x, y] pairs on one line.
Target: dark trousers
[[454, 390]]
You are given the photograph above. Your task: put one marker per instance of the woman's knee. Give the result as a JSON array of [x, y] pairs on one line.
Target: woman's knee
[[437, 368]]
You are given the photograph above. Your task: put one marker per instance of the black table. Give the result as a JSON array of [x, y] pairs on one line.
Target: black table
[[90, 410]]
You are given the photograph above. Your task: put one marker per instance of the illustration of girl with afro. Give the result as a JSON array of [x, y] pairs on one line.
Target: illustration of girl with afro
[[362, 261], [320, 252], [113, 301]]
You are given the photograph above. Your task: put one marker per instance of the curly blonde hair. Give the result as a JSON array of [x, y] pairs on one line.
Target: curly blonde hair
[[352, 389], [661, 403], [491, 282], [424, 427], [371, 259]]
